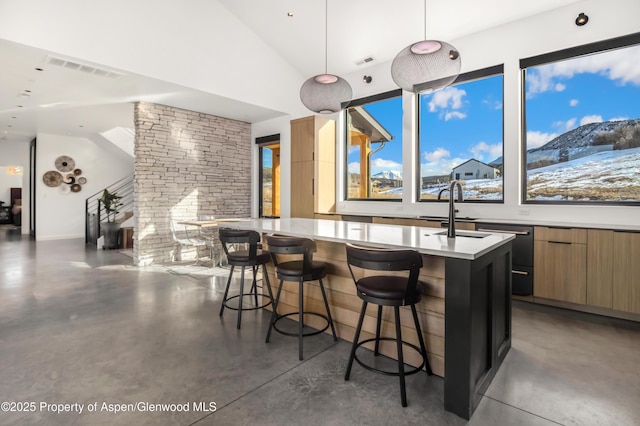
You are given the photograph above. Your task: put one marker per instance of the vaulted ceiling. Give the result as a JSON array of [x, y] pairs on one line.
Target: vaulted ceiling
[[79, 97]]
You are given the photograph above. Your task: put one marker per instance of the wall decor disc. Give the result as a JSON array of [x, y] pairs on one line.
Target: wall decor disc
[[52, 178], [65, 189], [77, 172], [65, 163], [76, 187], [69, 178], [82, 180]]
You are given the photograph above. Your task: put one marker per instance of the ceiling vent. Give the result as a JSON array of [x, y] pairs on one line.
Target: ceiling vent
[[366, 60], [84, 68]]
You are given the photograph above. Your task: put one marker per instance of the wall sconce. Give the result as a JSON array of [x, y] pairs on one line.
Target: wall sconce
[[367, 79], [582, 19]]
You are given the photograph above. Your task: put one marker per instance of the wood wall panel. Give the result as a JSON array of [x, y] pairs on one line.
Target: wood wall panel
[[599, 268]]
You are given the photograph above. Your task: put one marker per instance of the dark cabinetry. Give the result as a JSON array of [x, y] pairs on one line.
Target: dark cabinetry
[[522, 255]]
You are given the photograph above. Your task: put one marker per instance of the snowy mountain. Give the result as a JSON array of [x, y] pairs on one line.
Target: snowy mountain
[[388, 174], [577, 143]]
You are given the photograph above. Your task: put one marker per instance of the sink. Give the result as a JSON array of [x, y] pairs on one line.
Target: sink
[[464, 234]]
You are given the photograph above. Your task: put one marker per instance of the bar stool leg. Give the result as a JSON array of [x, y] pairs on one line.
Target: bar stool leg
[[326, 305], [254, 285], [265, 281], [403, 391], [354, 346], [378, 322], [423, 347], [301, 317], [274, 315], [226, 290], [240, 298]]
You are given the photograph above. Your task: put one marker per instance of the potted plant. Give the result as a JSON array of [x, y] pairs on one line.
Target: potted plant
[[111, 229]]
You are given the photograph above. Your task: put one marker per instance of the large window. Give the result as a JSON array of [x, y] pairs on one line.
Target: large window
[[582, 115], [461, 136], [374, 148]]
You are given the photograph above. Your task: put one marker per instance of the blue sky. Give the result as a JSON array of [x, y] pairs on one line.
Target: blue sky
[[465, 121]]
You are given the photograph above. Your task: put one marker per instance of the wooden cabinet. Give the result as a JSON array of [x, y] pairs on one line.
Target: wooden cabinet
[[600, 268], [313, 166], [560, 258], [626, 271], [613, 270]]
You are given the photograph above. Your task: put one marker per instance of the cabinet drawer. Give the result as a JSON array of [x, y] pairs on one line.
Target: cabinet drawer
[[561, 235], [522, 246], [522, 280]]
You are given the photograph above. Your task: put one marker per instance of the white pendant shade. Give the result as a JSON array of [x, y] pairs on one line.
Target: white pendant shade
[[426, 66], [325, 93]]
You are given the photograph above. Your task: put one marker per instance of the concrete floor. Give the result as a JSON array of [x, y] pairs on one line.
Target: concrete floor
[[83, 326]]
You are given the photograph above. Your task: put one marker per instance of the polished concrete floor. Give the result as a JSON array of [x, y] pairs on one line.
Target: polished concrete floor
[[82, 326]]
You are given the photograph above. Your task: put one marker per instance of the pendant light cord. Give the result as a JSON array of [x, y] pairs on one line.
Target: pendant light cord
[[425, 20], [326, 34]]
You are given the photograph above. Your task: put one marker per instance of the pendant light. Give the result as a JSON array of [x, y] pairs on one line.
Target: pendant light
[[426, 65], [325, 93]]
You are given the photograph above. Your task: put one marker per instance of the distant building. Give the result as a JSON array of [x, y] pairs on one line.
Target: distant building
[[474, 169]]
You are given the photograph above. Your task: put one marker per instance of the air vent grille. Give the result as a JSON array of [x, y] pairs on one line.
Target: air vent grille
[[366, 60], [84, 68]]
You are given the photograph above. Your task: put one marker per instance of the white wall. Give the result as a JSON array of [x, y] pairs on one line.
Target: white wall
[[506, 45], [61, 216]]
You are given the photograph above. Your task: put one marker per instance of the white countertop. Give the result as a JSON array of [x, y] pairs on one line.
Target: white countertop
[[421, 239]]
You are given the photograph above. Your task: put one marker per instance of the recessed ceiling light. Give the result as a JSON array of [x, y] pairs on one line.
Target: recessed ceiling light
[[27, 90], [19, 106], [39, 69], [290, 14]]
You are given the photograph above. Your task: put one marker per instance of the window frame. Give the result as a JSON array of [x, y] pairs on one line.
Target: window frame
[[358, 102], [557, 56], [462, 78]]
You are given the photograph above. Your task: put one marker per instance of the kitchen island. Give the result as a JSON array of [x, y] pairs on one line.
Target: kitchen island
[[465, 313]]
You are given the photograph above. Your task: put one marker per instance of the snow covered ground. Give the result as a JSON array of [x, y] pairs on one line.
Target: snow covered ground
[[608, 176]]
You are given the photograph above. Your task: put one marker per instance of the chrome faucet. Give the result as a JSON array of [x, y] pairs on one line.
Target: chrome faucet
[[451, 230]]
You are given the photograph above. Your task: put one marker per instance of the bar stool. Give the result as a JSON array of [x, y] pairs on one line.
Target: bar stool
[[387, 290], [302, 268], [250, 254]]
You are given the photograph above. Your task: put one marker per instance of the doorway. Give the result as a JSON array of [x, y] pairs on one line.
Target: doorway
[[269, 176]]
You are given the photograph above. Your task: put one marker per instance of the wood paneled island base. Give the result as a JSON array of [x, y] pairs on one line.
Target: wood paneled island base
[[468, 301]]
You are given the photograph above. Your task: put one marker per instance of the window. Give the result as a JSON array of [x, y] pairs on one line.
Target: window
[[582, 115], [461, 136], [269, 176], [374, 148]]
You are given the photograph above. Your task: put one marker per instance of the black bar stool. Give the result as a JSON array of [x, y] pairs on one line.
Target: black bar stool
[[246, 252], [302, 268], [387, 290]]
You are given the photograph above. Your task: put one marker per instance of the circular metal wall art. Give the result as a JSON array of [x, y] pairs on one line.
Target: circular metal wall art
[[76, 187], [70, 178], [52, 178], [77, 172], [65, 163], [82, 180], [65, 189]]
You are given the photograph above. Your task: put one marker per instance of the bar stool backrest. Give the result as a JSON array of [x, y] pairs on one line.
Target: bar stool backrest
[[378, 259], [283, 245], [238, 236]]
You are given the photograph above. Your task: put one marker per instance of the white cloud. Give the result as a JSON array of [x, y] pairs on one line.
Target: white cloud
[[437, 155], [354, 167], [537, 139], [443, 167], [617, 65], [560, 87], [381, 163], [449, 98], [573, 102], [565, 126], [454, 114], [480, 149], [591, 119]]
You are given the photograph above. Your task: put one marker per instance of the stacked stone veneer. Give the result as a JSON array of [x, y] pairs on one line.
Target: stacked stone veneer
[[185, 164]]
